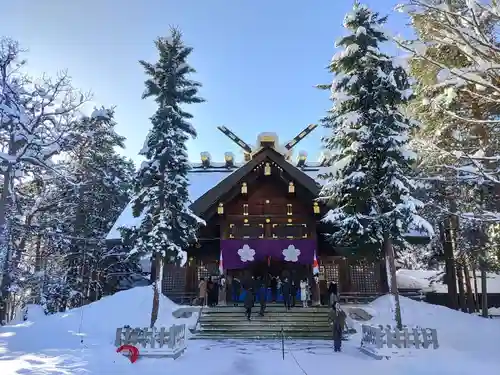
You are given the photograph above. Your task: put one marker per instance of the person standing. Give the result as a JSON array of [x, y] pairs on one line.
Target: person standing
[[336, 319], [222, 291], [279, 286], [229, 289], [262, 297], [274, 288], [316, 298], [285, 287], [210, 293], [293, 291], [303, 292], [236, 289], [202, 292], [249, 302], [333, 293]]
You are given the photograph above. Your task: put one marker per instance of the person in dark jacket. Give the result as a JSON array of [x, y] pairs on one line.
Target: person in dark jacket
[[285, 287], [256, 286], [337, 320], [249, 302], [210, 292], [236, 290], [332, 293], [262, 297], [293, 292], [274, 288]]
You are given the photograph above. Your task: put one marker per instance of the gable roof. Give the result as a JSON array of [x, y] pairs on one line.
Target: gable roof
[[204, 180], [204, 202]]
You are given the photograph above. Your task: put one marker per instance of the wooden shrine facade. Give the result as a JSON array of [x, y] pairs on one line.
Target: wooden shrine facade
[[266, 202]]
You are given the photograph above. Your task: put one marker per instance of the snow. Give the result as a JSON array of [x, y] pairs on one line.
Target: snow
[[429, 281], [462, 337], [95, 323], [200, 183], [49, 345]]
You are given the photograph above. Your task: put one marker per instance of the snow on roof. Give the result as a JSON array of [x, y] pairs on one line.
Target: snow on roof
[[203, 180]]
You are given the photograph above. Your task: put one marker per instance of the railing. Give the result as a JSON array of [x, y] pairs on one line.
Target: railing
[[364, 298]]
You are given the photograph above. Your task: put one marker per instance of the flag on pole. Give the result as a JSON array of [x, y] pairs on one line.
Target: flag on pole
[[315, 264], [221, 264]]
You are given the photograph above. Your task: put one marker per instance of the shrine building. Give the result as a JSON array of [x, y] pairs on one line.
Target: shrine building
[[261, 214]]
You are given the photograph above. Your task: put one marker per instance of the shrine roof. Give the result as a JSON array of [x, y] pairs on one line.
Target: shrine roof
[[201, 180]]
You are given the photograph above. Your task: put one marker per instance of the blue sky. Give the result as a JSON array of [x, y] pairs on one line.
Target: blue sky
[[258, 60]]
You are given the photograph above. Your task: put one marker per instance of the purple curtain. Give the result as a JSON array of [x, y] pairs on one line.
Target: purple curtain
[[242, 253]]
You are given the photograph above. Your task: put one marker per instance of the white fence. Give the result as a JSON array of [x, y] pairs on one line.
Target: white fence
[[380, 342], [154, 342]]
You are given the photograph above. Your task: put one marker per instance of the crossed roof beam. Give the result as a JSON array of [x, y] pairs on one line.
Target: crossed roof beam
[[248, 150]]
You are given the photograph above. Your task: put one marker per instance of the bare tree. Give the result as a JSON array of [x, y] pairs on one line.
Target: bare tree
[[36, 118]]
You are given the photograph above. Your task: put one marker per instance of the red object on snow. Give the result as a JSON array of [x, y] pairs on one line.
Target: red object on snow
[[133, 351]]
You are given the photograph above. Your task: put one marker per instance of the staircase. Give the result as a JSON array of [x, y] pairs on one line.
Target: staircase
[[229, 322]]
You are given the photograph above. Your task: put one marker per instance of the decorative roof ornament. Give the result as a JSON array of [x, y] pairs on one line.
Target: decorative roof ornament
[[268, 140]]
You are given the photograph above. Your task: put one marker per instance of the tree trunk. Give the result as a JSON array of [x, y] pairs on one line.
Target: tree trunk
[[451, 275], [5, 248], [461, 289], [393, 285], [36, 292], [468, 288], [484, 294], [476, 293], [158, 260]]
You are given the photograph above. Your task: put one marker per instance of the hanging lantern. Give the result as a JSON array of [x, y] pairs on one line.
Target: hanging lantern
[[291, 187], [289, 209], [244, 188], [316, 207], [220, 209], [267, 169]]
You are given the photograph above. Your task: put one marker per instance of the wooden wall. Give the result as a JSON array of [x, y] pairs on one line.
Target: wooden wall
[[268, 210]]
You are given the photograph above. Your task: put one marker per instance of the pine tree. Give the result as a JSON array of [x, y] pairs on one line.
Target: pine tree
[[368, 186], [161, 184]]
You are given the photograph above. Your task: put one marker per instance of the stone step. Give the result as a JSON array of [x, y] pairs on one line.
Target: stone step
[[215, 335], [274, 308], [266, 317], [262, 321], [266, 328], [267, 312]]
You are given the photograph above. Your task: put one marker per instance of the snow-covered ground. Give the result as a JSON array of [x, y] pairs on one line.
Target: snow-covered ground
[[429, 281], [53, 344]]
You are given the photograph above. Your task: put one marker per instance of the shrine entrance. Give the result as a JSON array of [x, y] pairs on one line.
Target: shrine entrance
[[278, 268]]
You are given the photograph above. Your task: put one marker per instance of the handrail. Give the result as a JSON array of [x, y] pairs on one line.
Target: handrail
[[201, 311]]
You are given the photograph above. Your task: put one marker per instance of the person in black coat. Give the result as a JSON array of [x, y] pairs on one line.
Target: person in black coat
[[210, 292], [249, 302], [293, 292], [262, 297], [236, 290], [286, 289], [274, 288], [332, 293]]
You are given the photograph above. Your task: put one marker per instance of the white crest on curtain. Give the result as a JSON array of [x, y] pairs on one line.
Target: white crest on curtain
[[291, 254], [246, 253]]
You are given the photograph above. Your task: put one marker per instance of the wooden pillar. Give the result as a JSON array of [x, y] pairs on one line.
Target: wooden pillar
[[383, 281], [344, 277]]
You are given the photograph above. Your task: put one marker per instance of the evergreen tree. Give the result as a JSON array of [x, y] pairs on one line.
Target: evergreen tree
[[368, 186], [161, 184], [97, 186]]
